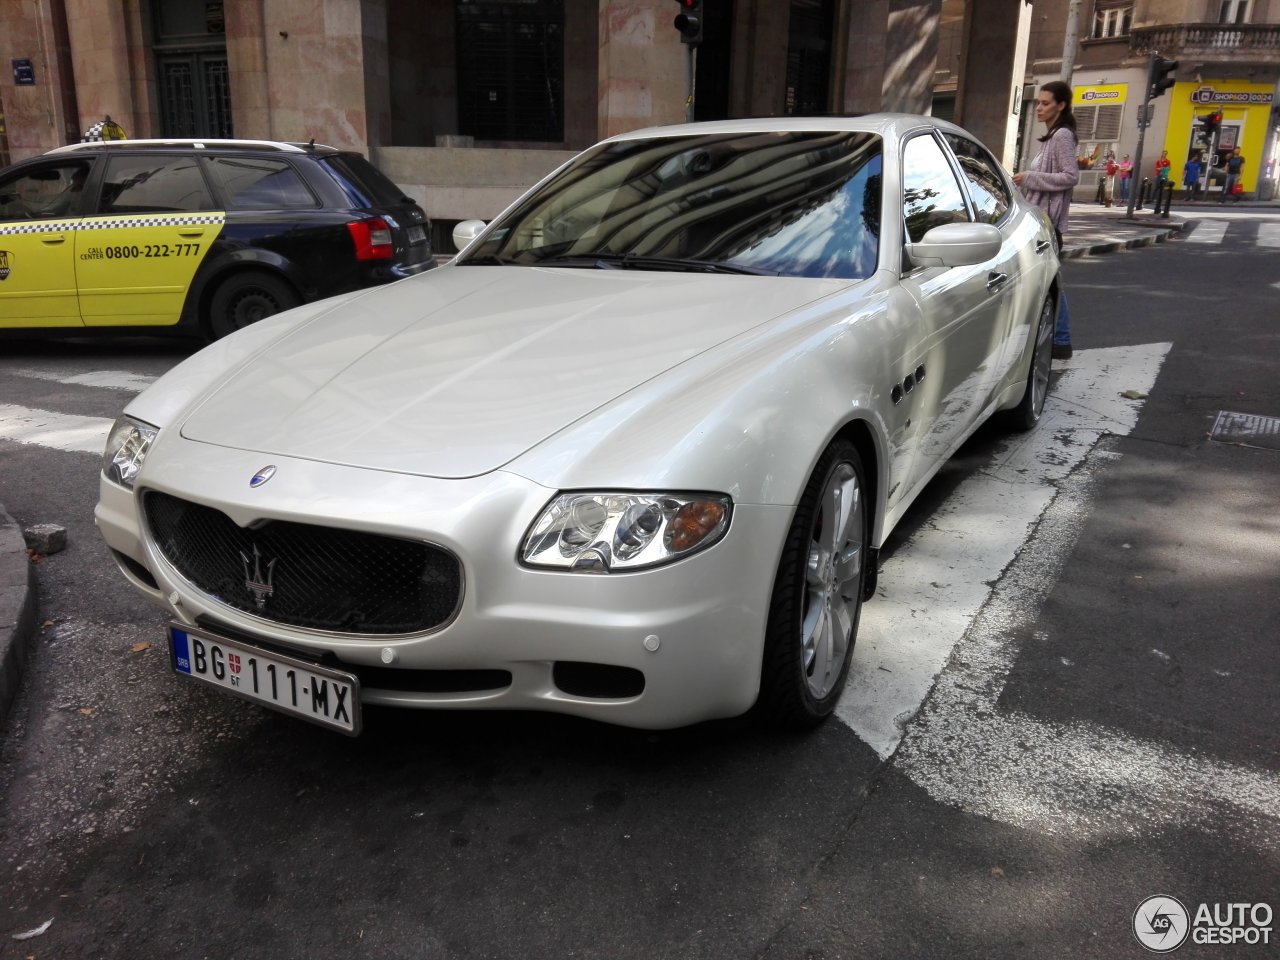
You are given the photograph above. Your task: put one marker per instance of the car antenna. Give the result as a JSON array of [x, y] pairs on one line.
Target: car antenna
[[312, 144]]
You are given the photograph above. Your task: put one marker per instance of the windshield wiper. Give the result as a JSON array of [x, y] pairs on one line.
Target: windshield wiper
[[633, 261]]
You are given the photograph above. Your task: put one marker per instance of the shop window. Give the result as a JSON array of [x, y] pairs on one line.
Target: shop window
[[511, 69]]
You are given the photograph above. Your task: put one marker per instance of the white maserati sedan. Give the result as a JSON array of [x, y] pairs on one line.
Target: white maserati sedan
[[630, 455]]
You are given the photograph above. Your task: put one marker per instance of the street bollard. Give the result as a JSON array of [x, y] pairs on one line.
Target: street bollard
[[1164, 191], [1143, 192]]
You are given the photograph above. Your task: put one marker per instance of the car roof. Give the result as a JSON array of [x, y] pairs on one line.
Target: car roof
[[885, 124], [199, 143]]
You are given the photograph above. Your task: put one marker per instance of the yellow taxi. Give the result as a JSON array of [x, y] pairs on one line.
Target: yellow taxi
[[197, 236]]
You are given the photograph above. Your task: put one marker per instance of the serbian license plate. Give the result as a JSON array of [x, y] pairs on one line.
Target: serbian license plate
[[327, 697], [417, 234]]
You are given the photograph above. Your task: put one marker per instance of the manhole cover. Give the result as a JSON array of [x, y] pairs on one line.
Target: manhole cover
[[1247, 429]]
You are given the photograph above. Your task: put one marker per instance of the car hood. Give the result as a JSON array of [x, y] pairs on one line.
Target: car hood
[[457, 372]]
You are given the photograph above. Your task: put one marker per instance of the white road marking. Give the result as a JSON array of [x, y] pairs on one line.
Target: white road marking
[[1088, 782], [1269, 234], [57, 430], [110, 379], [1208, 231], [935, 584]]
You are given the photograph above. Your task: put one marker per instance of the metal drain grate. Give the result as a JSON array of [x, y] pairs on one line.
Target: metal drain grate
[[1247, 429]]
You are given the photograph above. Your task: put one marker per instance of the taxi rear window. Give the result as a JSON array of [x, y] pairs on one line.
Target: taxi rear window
[[256, 183], [364, 184]]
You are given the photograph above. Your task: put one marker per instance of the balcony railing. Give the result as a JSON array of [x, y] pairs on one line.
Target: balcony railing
[[1223, 42]]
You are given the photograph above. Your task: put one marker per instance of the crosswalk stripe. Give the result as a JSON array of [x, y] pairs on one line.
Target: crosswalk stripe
[[59, 431], [1208, 231], [1269, 234], [110, 379]]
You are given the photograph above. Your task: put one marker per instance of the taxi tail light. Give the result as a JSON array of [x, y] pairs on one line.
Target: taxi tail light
[[372, 238]]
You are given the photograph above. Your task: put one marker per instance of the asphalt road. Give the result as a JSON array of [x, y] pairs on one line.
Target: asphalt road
[[1105, 730]]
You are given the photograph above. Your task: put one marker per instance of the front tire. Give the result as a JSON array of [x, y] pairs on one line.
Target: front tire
[[817, 595], [1028, 411], [245, 298]]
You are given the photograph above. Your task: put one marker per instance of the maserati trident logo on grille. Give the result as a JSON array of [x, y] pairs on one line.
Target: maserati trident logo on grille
[[253, 579], [262, 476]]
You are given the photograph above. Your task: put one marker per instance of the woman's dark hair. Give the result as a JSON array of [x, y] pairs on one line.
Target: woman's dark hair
[[1061, 93]]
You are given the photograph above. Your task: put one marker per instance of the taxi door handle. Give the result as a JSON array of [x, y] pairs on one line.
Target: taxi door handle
[[191, 231], [1042, 246], [53, 238], [996, 280]]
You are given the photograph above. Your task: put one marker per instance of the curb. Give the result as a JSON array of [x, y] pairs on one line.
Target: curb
[[1113, 245], [17, 609]]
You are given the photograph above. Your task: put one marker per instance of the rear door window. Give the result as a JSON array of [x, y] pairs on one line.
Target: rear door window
[[151, 184], [987, 187], [259, 183], [363, 183]]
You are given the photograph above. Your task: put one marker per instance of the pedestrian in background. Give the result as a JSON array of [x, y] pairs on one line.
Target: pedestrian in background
[[1191, 177], [1123, 172], [1109, 179], [1162, 167], [1049, 181], [1235, 167]]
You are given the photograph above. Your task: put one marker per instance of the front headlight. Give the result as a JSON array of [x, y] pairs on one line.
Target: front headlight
[[605, 532], [127, 447]]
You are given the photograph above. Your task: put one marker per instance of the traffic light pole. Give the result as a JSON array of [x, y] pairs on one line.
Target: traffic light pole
[[692, 83], [1135, 173], [1160, 77]]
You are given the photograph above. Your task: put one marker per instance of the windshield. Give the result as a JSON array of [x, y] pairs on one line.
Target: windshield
[[798, 204]]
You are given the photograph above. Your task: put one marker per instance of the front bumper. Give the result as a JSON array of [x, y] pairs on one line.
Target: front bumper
[[694, 629]]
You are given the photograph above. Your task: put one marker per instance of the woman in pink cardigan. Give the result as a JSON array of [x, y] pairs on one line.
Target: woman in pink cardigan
[[1051, 178]]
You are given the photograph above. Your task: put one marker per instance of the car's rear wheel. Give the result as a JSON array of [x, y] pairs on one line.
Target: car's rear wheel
[[245, 298], [817, 595], [1027, 413]]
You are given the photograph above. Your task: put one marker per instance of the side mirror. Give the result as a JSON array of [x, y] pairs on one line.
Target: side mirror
[[955, 245], [466, 231]]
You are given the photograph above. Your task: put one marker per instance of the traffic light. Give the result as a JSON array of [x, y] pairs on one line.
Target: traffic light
[[689, 21], [1209, 124], [1162, 75]]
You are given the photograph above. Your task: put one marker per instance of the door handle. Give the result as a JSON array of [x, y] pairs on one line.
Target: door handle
[[996, 280], [53, 238], [191, 231], [1042, 246]]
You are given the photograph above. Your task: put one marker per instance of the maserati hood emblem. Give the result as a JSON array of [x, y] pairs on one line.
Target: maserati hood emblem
[[262, 476]]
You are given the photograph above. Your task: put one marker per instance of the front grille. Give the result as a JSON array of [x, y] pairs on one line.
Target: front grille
[[321, 578]]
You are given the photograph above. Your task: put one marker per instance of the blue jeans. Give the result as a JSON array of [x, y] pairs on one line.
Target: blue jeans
[[1062, 329], [1124, 187]]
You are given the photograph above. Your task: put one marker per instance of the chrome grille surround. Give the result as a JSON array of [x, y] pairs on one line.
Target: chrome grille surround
[[317, 578]]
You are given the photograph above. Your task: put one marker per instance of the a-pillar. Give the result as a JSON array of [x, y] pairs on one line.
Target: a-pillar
[[643, 66], [890, 54], [993, 66]]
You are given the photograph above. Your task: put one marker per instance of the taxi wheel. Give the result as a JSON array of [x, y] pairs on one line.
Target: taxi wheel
[[246, 298]]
